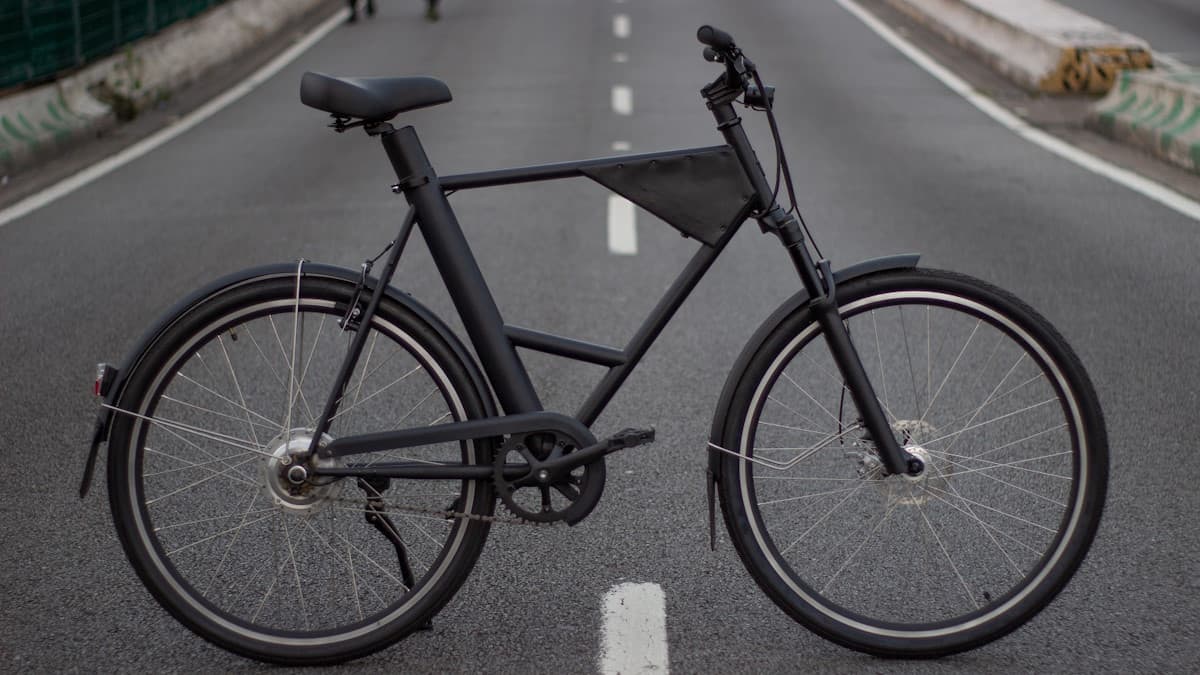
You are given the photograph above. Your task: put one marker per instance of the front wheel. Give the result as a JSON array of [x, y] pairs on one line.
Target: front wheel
[[259, 558], [987, 395]]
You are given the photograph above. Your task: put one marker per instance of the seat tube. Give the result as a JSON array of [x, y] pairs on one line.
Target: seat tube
[[460, 272]]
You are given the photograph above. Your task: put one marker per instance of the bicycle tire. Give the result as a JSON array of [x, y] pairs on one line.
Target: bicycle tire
[[206, 519], [1004, 513]]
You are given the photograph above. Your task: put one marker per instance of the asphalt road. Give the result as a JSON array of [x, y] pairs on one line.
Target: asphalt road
[[886, 160]]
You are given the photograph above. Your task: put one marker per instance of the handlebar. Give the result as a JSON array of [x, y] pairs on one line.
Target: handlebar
[[715, 38], [740, 73]]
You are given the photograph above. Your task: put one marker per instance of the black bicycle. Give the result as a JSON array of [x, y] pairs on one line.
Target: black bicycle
[[304, 462]]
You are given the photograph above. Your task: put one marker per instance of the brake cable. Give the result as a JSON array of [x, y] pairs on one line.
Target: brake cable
[[781, 164]]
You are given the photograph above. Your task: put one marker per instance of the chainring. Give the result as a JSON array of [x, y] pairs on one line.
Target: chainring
[[536, 496]]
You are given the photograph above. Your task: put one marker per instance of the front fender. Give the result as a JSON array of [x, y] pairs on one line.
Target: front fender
[[180, 309], [797, 301]]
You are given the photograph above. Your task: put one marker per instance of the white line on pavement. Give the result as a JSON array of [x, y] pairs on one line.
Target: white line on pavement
[[621, 146], [622, 99], [109, 164], [620, 57], [635, 630], [622, 226], [621, 25], [1133, 181]]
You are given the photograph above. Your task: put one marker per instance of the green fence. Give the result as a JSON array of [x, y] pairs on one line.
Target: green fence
[[39, 38]]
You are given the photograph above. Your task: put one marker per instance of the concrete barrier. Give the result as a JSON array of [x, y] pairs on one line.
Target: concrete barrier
[[1157, 111], [50, 119], [1040, 44]]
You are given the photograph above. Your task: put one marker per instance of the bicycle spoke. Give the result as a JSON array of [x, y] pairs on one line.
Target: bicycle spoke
[[215, 474], [823, 518], [963, 582], [222, 533], [908, 353], [198, 465], [846, 562], [270, 422], [971, 502], [272, 427], [950, 372], [1008, 465], [810, 496], [810, 397], [238, 388], [393, 383]]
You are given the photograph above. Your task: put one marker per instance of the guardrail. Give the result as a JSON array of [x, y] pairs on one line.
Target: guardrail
[[41, 38]]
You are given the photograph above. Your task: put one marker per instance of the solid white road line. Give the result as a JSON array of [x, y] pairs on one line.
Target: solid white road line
[[78, 180], [1159, 193], [621, 146], [621, 25], [635, 630], [622, 100], [622, 226]]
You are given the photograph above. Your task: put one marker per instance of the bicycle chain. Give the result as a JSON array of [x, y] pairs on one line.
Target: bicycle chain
[[448, 514]]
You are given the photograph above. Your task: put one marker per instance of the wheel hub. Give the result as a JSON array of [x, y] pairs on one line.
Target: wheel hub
[[907, 489], [288, 473]]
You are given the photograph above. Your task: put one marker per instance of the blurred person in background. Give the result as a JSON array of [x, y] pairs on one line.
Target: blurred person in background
[[431, 10]]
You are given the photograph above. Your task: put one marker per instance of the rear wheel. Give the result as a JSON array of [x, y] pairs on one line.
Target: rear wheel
[[225, 531], [988, 396]]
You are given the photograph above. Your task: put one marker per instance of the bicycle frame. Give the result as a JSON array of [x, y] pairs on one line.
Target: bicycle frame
[[733, 166]]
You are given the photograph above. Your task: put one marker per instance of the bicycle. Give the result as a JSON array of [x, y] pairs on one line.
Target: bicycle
[[304, 462]]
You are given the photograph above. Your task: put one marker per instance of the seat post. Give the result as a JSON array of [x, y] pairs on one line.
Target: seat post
[[460, 272]]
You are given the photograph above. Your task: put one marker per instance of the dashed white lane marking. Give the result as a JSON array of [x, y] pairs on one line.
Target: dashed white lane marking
[[622, 226], [99, 169], [621, 146], [1159, 193], [620, 57], [621, 25], [622, 100], [635, 630]]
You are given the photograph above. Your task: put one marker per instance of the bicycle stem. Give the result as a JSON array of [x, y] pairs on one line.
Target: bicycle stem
[[817, 281]]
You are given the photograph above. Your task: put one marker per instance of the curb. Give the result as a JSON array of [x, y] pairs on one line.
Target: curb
[[1041, 45], [39, 123], [1159, 112]]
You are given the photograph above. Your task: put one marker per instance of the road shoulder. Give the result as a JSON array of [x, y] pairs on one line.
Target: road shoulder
[[1061, 116]]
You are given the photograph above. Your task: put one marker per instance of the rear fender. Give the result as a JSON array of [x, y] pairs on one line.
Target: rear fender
[[116, 389]]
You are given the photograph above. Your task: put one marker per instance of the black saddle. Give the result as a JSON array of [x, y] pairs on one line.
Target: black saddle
[[372, 99]]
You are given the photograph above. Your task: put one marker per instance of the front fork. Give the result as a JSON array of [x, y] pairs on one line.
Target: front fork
[[818, 282]]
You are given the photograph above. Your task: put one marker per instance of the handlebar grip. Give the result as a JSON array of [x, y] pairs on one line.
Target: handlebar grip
[[714, 37]]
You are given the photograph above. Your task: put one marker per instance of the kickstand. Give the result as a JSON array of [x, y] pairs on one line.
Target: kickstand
[[377, 518]]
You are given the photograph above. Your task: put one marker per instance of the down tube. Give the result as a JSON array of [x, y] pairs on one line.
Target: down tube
[[654, 324]]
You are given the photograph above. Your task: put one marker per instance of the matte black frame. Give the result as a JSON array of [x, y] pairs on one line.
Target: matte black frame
[[495, 342]]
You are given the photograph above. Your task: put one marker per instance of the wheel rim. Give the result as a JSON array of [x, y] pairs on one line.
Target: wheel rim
[[974, 396], [213, 510]]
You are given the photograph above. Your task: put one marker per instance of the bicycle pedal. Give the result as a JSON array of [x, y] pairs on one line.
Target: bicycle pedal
[[628, 438]]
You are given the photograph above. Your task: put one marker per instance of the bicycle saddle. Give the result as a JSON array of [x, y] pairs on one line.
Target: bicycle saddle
[[374, 99]]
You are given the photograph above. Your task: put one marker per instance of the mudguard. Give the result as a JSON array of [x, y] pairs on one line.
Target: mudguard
[[797, 301], [313, 270]]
